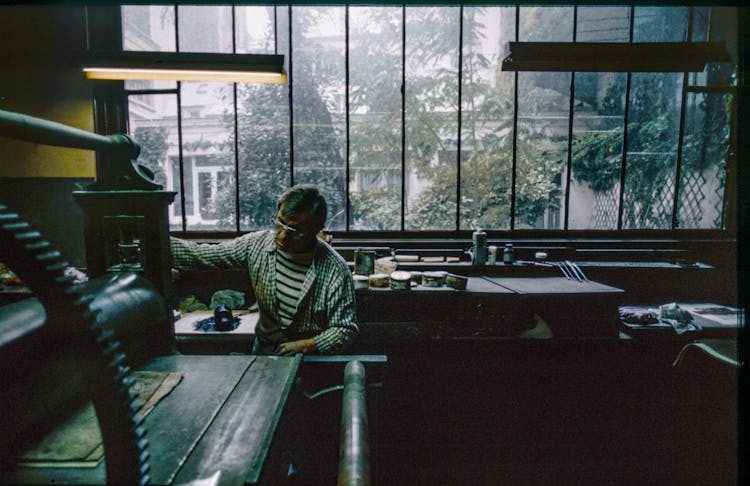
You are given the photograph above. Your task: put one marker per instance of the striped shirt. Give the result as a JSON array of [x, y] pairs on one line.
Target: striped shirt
[[290, 278], [325, 309]]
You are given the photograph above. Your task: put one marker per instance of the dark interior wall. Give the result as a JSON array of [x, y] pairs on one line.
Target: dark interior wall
[[47, 204], [36, 80]]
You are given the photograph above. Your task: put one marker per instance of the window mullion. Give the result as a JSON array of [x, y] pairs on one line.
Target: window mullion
[[180, 151], [623, 163], [571, 110], [347, 203], [458, 117], [515, 135], [180, 156], [236, 132], [683, 99], [291, 101], [403, 117]]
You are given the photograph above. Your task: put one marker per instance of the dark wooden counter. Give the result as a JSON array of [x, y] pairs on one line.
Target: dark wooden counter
[[491, 306]]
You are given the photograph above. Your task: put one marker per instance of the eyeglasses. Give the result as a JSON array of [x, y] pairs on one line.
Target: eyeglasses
[[291, 230]]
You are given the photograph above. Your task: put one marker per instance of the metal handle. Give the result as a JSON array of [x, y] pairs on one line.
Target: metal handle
[[38, 130], [354, 447], [121, 172]]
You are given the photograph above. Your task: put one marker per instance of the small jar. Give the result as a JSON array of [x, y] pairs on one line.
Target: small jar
[[508, 254], [492, 256]]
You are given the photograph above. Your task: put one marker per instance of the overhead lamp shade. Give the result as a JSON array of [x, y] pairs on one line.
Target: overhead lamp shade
[[185, 66], [614, 56]]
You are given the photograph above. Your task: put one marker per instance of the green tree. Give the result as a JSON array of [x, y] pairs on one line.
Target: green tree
[[154, 146]]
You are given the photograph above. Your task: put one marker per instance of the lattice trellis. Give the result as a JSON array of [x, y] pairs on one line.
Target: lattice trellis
[[690, 210], [691, 200], [659, 214], [605, 215], [721, 175]]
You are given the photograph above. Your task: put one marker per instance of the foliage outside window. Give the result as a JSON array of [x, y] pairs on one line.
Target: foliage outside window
[[404, 118]]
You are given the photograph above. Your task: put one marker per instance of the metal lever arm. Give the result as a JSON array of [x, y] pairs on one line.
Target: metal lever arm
[[121, 171]]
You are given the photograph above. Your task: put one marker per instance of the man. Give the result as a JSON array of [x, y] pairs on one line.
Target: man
[[304, 289]]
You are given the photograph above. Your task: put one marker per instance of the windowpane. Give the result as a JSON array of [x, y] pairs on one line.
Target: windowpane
[[375, 118], [207, 139], [543, 117], [255, 30], [148, 28], [432, 40], [704, 160], [205, 28], [603, 24], [598, 124], [319, 75], [653, 129], [716, 24], [660, 24], [487, 118], [153, 126], [263, 128], [545, 24]]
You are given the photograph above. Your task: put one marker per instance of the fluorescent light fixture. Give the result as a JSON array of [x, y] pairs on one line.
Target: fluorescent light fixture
[[186, 66], [614, 56]]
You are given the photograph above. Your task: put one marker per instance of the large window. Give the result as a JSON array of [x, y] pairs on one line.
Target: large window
[[403, 116]]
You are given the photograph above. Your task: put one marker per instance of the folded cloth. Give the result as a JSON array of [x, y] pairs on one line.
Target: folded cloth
[[190, 303], [234, 299], [681, 327]]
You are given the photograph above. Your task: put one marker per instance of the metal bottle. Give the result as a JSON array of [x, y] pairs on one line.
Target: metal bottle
[[479, 250], [508, 254]]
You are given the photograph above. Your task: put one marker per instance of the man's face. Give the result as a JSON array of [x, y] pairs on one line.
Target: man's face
[[295, 234]]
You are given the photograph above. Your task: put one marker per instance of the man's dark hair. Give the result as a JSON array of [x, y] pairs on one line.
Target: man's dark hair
[[304, 197]]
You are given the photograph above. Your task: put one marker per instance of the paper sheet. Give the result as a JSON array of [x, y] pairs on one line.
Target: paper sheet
[[78, 442]]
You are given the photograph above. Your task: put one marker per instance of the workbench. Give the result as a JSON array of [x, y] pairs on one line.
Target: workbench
[[491, 307], [217, 423]]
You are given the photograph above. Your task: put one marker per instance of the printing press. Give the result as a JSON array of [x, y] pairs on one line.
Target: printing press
[[94, 389]]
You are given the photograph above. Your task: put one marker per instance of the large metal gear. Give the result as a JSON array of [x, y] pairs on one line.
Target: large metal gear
[[104, 363]]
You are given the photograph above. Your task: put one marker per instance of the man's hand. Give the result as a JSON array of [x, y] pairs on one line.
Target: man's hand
[[304, 346]]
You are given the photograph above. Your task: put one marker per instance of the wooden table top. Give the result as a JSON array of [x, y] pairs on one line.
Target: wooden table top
[[217, 423], [184, 327]]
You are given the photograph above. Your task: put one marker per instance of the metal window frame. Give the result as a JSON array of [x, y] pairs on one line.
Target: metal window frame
[[729, 227]]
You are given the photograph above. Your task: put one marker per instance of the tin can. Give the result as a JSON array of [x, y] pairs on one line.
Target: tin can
[[378, 280], [416, 277], [400, 280], [433, 279], [361, 281], [457, 282]]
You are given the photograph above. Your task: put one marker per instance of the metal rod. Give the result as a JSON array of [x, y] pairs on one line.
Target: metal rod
[[576, 271], [38, 130], [354, 447], [565, 272]]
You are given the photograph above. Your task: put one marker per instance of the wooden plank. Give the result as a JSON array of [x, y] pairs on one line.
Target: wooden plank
[[179, 422], [236, 443]]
